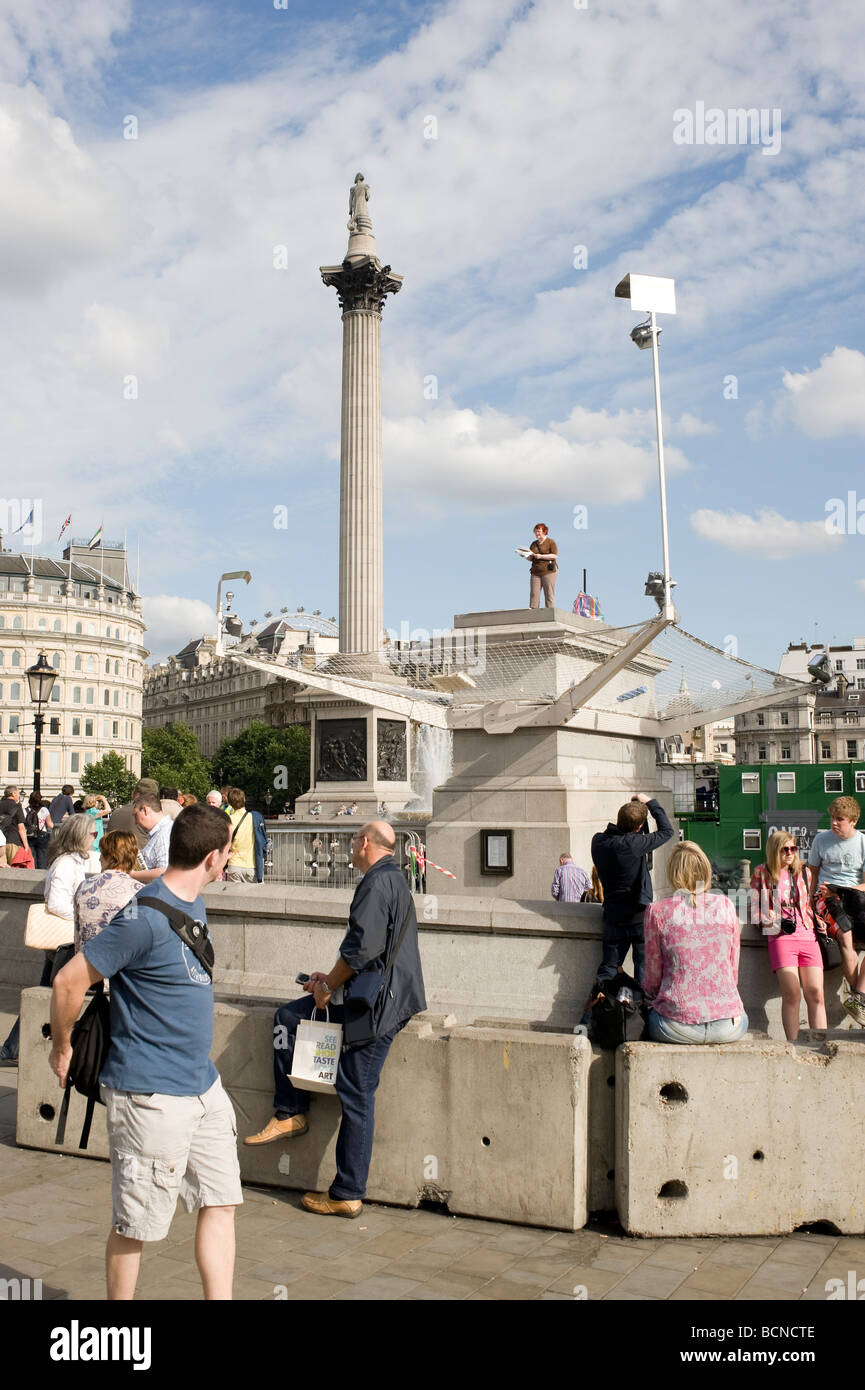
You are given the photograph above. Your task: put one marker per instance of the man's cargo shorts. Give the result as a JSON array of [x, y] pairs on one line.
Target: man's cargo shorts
[[165, 1147]]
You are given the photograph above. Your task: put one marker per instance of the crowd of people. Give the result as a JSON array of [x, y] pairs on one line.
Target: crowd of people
[[685, 946]]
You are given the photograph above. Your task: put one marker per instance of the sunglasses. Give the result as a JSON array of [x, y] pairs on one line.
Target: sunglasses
[[789, 849]]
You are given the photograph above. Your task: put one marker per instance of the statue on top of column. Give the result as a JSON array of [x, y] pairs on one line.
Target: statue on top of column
[[359, 219]]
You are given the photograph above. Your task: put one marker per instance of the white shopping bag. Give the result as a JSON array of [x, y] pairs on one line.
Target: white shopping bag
[[316, 1055]]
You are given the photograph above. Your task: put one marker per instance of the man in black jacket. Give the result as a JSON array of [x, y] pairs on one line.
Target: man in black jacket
[[619, 855], [381, 906]]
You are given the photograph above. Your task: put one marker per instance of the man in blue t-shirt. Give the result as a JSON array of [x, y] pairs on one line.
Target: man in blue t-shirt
[[837, 863], [171, 1127]]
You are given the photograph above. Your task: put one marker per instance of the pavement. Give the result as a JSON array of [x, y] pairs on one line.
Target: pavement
[[55, 1211]]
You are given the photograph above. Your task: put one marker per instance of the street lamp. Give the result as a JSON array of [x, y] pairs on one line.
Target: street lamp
[[40, 678], [654, 294], [220, 622]]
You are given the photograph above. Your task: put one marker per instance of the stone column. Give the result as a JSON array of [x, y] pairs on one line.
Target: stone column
[[362, 284]]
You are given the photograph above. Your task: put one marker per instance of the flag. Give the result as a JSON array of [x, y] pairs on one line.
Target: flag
[[63, 527], [95, 539], [27, 522]]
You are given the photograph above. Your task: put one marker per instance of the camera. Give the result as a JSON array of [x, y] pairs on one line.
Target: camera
[[788, 924]]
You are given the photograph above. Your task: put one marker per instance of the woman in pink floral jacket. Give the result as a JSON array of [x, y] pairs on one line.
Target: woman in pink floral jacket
[[692, 957]]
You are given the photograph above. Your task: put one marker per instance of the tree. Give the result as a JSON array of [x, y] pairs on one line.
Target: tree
[[172, 757], [262, 759], [111, 778]]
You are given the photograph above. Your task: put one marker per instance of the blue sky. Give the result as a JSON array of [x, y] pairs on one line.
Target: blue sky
[[153, 258]]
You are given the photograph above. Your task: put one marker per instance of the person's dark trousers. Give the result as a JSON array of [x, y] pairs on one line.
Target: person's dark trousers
[[614, 954], [39, 849], [357, 1080], [847, 906]]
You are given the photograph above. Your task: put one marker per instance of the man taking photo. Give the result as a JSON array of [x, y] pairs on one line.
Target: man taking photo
[[171, 1126]]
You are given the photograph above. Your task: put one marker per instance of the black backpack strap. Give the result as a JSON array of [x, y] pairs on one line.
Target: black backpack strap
[[192, 933], [64, 1113], [239, 824], [88, 1120], [405, 926]]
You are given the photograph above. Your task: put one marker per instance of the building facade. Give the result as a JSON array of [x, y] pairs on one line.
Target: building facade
[[218, 697], [83, 612], [825, 724]]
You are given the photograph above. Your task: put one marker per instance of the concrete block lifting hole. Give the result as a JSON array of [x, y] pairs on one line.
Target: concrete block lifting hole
[[739, 1139]]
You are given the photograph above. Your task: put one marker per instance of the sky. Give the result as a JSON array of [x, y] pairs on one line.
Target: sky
[[172, 177]]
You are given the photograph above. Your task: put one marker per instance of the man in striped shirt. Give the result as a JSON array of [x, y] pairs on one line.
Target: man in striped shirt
[[569, 881]]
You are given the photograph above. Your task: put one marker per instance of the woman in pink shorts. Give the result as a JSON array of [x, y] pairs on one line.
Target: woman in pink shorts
[[781, 905]]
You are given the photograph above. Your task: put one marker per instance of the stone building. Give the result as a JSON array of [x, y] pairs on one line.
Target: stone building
[[826, 723], [84, 613], [218, 697]]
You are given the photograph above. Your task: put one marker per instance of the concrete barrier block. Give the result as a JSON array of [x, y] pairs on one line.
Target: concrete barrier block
[[747, 1138], [39, 1093]]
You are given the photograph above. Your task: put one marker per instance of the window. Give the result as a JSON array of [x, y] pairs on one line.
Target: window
[[16, 623], [57, 626], [785, 717], [106, 728], [116, 699], [722, 747], [91, 665], [77, 629], [55, 693], [117, 668], [824, 717], [117, 634], [851, 716], [54, 726], [761, 753], [74, 765], [107, 666], [115, 728], [108, 632], [750, 782], [786, 783], [851, 748], [785, 753], [859, 778], [839, 664], [752, 839], [16, 658], [90, 695], [76, 694], [13, 723], [88, 759], [12, 762], [825, 750], [56, 660], [833, 781], [76, 728], [42, 623], [860, 683], [761, 720], [88, 728], [106, 698], [91, 627], [15, 690], [2, 658], [54, 762], [2, 621], [79, 664]]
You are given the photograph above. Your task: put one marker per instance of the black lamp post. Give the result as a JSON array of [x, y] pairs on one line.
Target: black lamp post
[[40, 678]]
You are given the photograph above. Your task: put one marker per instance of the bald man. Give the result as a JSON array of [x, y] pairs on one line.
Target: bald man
[[382, 939]]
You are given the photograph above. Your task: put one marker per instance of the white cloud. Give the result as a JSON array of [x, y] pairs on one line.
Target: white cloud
[[173, 621], [830, 400], [768, 534], [481, 456]]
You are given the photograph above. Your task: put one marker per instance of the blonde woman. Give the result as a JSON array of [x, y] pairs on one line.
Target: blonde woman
[[781, 905], [98, 809], [692, 957]]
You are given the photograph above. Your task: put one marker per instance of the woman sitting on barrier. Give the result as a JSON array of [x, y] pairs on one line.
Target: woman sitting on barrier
[[781, 905], [692, 957], [99, 899]]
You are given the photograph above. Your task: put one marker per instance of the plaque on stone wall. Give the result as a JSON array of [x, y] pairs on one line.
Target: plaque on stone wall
[[341, 751], [391, 750]]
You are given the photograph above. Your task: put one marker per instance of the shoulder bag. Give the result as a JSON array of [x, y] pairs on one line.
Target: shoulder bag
[[366, 994]]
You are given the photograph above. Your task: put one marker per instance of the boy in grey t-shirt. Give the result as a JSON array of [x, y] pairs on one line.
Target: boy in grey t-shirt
[[837, 863]]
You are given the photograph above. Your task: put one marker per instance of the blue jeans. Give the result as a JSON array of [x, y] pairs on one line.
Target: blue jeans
[[721, 1030], [357, 1080]]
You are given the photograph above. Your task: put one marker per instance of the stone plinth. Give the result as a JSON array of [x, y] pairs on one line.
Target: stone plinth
[[359, 753]]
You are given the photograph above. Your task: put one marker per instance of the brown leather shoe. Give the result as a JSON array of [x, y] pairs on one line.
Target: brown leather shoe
[[323, 1205], [279, 1129]]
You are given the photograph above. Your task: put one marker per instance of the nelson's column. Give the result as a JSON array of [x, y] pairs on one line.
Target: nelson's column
[[362, 284]]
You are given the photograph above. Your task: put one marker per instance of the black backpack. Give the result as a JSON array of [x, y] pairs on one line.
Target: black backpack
[[91, 1038], [610, 1015]]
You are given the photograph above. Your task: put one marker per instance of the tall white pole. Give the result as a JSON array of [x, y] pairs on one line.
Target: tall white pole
[[669, 611]]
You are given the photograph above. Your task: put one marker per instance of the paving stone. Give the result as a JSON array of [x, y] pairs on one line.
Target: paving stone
[[520, 1242], [760, 1292], [486, 1261], [683, 1256], [619, 1260], [348, 1269], [657, 1281], [799, 1252], [598, 1282], [299, 1290], [52, 1232], [454, 1243], [685, 1295], [506, 1290], [774, 1274], [723, 1280], [379, 1287], [447, 1285], [394, 1243]]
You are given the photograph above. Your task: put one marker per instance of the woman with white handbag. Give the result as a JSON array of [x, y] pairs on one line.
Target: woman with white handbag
[[51, 924]]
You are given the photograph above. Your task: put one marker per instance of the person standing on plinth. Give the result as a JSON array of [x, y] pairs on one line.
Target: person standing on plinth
[[543, 551]]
